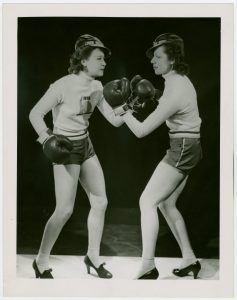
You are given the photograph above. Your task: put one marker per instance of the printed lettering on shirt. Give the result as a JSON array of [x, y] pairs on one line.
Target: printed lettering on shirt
[[85, 106]]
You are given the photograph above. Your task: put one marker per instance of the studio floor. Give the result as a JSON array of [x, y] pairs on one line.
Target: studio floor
[[72, 266], [121, 249]]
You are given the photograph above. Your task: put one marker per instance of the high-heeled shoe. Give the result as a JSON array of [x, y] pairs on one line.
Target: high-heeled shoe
[[194, 268], [45, 275], [152, 274], [101, 271]]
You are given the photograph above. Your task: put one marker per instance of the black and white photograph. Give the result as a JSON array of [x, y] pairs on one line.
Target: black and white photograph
[[121, 158]]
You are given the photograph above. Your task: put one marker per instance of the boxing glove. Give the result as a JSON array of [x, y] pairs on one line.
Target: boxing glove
[[57, 148], [117, 93], [145, 106], [145, 90], [142, 91], [133, 83]]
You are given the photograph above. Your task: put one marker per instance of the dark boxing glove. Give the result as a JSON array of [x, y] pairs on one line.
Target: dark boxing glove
[[133, 96], [142, 91], [57, 148], [145, 90], [117, 93], [134, 82], [148, 99]]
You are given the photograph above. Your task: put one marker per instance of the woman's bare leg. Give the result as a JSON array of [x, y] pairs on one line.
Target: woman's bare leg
[[66, 180], [92, 180], [177, 225], [161, 185]]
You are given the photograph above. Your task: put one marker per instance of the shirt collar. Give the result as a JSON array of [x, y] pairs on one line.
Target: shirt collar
[[84, 77]]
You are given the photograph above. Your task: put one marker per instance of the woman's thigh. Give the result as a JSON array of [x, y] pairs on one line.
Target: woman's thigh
[[92, 177], [162, 183], [66, 181]]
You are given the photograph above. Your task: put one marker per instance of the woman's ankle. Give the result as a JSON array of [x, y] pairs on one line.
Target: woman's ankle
[[42, 261], [93, 254], [188, 254], [187, 262], [148, 263], [146, 266]]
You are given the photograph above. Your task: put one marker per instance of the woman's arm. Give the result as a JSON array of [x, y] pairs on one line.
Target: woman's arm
[[108, 113], [51, 98], [169, 104]]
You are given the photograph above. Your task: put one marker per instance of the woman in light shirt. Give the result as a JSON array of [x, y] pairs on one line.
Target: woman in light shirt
[[72, 100], [178, 108]]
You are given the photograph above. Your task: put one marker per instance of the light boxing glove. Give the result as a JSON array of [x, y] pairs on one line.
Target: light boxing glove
[[117, 93], [57, 148]]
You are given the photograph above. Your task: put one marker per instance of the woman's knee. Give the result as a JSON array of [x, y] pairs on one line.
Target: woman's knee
[[99, 202], [147, 202], [165, 206], [63, 214]]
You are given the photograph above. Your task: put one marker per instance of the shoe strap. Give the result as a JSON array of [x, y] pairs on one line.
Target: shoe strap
[[101, 265]]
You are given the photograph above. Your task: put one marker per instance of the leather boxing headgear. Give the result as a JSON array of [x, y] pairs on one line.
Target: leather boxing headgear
[[164, 39]]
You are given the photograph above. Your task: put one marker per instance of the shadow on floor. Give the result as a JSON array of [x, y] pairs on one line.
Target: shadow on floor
[[118, 240]]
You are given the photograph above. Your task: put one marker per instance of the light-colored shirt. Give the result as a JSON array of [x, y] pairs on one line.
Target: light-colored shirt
[[177, 107], [72, 100]]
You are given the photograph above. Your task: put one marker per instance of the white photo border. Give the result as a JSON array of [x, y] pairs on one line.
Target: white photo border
[[13, 286]]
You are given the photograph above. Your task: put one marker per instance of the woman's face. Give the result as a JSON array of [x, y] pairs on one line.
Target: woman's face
[[95, 64], [160, 61]]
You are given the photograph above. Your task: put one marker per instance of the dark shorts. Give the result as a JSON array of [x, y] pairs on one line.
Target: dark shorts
[[184, 153], [81, 151]]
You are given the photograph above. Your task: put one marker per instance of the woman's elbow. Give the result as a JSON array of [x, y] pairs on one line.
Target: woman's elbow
[[32, 115], [140, 134], [117, 123]]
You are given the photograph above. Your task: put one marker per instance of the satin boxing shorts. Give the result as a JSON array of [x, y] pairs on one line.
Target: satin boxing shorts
[[184, 153]]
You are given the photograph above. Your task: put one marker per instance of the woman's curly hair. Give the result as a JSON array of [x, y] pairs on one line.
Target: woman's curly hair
[[76, 58], [175, 52]]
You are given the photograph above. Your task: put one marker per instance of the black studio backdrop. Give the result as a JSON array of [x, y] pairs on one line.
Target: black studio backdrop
[[44, 48]]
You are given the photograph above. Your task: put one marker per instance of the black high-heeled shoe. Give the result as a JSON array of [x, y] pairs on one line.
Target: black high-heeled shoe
[[101, 271], [194, 268], [45, 275], [152, 274]]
